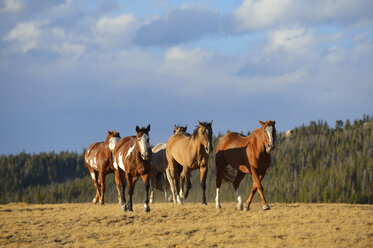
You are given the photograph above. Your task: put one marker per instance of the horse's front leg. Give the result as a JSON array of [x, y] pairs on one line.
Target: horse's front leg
[[153, 174], [203, 171], [173, 179], [185, 175], [145, 178], [130, 182], [257, 183]]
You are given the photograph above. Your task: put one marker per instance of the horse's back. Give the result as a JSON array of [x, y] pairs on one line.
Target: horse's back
[[124, 144], [159, 160], [231, 140], [176, 146]]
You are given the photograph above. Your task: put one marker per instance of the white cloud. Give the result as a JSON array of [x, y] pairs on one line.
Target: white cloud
[[117, 30], [264, 14], [11, 6], [296, 41], [25, 35], [191, 57]]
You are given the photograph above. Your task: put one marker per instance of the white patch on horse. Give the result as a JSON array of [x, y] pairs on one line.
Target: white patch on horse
[[93, 163], [93, 175], [113, 142], [269, 131], [130, 150], [115, 164], [121, 165], [217, 199], [144, 144], [239, 199]]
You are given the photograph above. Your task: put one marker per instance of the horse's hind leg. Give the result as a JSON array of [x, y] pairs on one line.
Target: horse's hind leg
[[101, 181], [185, 174], [257, 183], [220, 165], [239, 176], [94, 180], [172, 176], [119, 180], [153, 174]]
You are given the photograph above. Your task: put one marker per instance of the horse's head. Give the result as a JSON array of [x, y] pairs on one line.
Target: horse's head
[[142, 142], [269, 128], [180, 129], [112, 139], [205, 135]]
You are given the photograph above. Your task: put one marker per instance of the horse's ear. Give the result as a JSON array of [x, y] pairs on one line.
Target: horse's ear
[[274, 123], [148, 128], [199, 123], [211, 122], [109, 132], [186, 126], [261, 123], [137, 129], [175, 127]]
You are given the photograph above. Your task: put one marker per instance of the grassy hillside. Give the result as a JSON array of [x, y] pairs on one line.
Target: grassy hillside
[[314, 163]]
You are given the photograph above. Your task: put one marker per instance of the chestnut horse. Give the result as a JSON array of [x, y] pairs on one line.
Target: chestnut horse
[[191, 152], [159, 166], [132, 157], [251, 154], [99, 161]]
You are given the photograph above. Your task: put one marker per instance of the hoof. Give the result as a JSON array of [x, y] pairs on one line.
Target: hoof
[[266, 207], [124, 208], [246, 209], [204, 204], [146, 208], [94, 201], [151, 201], [218, 206], [239, 206], [130, 210]]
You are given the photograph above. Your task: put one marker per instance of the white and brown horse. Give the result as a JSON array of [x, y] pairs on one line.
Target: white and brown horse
[[191, 152], [159, 166], [99, 161], [247, 155], [132, 156]]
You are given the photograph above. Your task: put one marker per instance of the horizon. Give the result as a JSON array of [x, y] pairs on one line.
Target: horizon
[[73, 69]]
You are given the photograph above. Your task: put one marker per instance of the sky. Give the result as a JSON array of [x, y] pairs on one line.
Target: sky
[[72, 69]]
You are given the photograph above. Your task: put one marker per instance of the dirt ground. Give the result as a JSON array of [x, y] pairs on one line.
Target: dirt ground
[[190, 225]]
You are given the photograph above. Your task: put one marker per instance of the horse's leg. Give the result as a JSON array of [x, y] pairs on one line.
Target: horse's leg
[[185, 174], [203, 171], [153, 174], [94, 180], [130, 183], [172, 175], [101, 181], [120, 188], [145, 179], [252, 193], [220, 165], [239, 176], [257, 182]]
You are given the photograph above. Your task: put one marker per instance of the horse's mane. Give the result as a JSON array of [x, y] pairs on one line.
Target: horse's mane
[[195, 131]]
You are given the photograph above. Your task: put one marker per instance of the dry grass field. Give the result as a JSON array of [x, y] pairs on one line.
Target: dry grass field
[[190, 225]]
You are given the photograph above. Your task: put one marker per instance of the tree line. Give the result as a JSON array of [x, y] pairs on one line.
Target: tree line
[[313, 163]]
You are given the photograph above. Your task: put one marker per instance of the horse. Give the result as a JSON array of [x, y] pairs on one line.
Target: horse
[[159, 166], [99, 161], [191, 152], [247, 155], [132, 157]]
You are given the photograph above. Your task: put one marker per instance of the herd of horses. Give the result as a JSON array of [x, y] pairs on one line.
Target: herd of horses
[[132, 157]]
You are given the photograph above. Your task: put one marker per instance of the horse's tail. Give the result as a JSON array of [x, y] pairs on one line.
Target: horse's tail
[[229, 174], [160, 181]]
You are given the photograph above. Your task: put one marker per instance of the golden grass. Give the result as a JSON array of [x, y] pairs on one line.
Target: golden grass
[[190, 225]]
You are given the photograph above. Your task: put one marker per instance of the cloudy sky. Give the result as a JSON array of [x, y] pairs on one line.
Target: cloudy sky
[[72, 69]]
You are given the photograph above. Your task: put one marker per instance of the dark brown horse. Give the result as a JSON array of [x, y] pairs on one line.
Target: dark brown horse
[[99, 161], [251, 154], [191, 152], [132, 156]]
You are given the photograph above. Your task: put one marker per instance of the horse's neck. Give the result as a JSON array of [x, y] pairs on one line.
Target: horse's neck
[[259, 139]]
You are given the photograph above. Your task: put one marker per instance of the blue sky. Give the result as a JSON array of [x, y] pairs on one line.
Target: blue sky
[[71, 70]]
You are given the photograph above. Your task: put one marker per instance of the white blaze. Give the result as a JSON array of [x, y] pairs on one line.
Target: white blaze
[[269, 130], [144, 144]]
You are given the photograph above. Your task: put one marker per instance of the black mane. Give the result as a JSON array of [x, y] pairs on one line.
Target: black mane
[[195, 132]]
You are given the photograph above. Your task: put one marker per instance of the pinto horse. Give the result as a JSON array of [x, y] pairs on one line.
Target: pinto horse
[[159, 166], [247, 155], [191, 152], [132, 156], [99, 161]]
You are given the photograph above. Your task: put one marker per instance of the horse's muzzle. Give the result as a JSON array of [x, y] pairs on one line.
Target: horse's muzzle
[[145, 156], [270, 148]]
